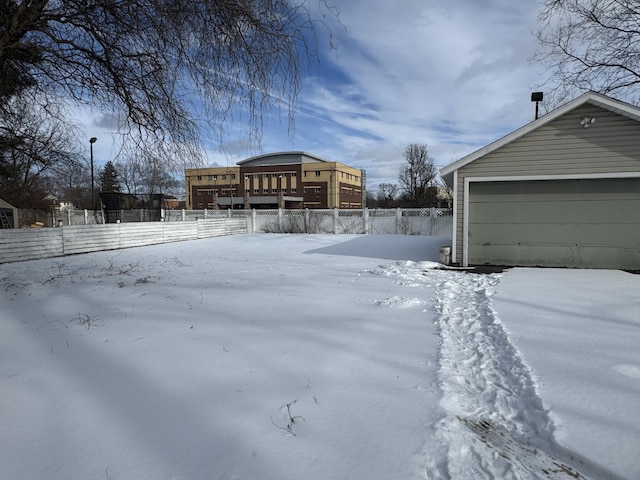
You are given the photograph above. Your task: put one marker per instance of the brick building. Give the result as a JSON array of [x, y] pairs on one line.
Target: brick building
[[277, 180]]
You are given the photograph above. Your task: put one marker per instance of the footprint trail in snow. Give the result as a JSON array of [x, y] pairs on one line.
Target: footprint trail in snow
[[494, 425]]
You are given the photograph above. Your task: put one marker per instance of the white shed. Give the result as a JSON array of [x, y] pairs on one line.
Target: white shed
[[8, 215]]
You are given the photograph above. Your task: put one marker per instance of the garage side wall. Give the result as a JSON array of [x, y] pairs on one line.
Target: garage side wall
[[610, 146]]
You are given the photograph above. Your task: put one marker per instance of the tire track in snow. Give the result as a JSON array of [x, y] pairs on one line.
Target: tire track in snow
[[496, 426]]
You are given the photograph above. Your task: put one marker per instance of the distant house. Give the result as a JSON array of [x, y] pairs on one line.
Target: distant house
[[8, 215], [562, 191]]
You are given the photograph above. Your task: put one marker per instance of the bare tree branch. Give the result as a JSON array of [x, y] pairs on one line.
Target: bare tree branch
[[590, 45], [172, 71]]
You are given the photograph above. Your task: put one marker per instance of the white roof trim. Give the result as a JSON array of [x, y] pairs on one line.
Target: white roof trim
[[564, 176], [594, 98]]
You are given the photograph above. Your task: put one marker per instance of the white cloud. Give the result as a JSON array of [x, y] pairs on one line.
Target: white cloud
[[454, 76]]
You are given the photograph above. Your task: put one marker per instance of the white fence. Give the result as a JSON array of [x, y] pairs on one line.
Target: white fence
[[377, 221], [406, 221], [178, 225], [33, 243]]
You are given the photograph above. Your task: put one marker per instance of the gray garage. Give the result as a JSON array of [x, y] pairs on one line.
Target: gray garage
[[554, 193]]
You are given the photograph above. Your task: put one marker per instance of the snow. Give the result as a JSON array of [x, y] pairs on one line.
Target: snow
[[315, 356]]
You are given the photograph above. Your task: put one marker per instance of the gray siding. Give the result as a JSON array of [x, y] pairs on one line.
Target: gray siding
[[611, 145]]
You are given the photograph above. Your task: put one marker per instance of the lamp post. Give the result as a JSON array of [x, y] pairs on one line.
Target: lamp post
[[92, 140], [536, 97]]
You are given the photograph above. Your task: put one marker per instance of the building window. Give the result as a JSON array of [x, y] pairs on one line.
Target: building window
[[265, 191], [199, 177], [274, 175], [224, 177], [293, 190], [317, 173], [274, 190], [256, 191], [293, 174], [233, 176], [283, 190], [209, 177]]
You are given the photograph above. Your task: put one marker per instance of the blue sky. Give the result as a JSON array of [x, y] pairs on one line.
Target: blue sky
[[455, 75]]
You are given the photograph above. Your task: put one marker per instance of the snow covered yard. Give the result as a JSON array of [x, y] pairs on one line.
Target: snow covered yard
[[314, 356]]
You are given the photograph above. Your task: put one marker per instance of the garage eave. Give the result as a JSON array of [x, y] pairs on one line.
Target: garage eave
[[597, 99]]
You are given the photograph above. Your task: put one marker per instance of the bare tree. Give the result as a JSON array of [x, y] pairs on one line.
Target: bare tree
[[417, 174], [150, 168], [160, 66], [130, 175], [33, 144], [591, 45], [387, 195], [71, 182]]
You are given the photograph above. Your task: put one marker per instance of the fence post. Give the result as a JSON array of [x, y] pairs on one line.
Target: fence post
[[307, 221], [68, 216], [365, 220], [335, 220], [254, 220], [205, 213], [398, 220], [86, 217], [280, 220], [184, 215], [432, 218]]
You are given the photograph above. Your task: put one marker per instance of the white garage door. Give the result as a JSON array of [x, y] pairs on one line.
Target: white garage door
[[569, 223]]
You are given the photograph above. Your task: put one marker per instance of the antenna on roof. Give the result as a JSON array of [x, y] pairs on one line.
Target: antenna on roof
[[536, 97]]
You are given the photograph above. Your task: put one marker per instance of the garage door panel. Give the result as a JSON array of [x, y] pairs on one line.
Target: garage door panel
[[556, 223], [556, 212], [545, 234], [556, 256], [558, 190]]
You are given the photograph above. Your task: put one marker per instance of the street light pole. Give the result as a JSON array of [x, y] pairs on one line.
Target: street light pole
[[92, 140]]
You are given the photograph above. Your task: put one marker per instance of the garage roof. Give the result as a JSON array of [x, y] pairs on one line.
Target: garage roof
[[593, 98]]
